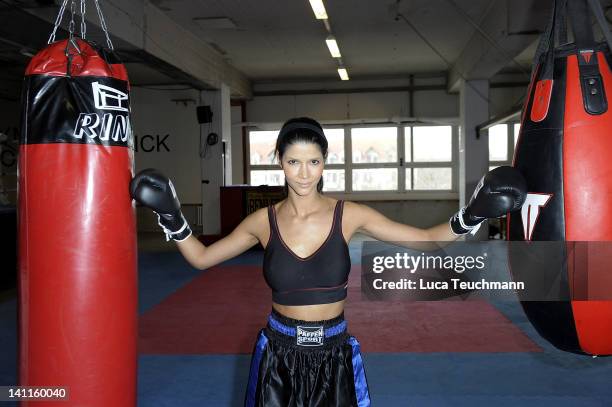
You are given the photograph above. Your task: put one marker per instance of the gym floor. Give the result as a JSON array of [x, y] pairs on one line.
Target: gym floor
[[197, 329]]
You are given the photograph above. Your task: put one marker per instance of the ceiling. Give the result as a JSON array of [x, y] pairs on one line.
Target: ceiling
[[281, 41]]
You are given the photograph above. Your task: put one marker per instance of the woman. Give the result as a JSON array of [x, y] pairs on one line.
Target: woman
[[304, 356]]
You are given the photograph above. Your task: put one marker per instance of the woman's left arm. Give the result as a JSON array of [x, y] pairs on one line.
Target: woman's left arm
[[499, 191], [376, 225]]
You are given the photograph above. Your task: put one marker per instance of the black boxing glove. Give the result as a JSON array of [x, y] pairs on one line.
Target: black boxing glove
[[501, 190], [155, 191]]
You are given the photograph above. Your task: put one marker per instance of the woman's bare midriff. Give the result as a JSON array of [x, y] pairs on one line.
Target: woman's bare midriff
[[317, 312]]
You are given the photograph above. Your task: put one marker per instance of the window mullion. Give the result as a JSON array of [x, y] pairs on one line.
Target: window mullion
[[348, 160], [401, 173], [411, 157]]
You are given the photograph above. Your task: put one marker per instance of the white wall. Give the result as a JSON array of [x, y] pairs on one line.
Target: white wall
[[157, 115], [352, 106], [165, 122]]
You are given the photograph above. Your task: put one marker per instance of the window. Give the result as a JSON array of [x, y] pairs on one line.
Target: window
[[374, 158], [429, 157], [498, 143], [366, 159], [333, 175], [432, 144], [264, 166], [267, 177], [333, 180], [502, 143], [262, 145], [262, 160], [335, 146], [374, 144], [375, 179], [433, 178]]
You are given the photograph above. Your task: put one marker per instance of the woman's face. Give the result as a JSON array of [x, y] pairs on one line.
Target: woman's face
[[303, 166]]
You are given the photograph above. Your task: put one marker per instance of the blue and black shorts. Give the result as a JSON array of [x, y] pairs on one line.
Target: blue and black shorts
[[306, 363]]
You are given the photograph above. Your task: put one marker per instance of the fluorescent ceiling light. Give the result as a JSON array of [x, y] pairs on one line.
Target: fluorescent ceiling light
[[319, 9], [333, 47], [343, 74]]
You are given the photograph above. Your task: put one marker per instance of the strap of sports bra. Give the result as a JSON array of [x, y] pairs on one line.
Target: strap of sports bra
[[338, 216], [273, 218], [271, 221]]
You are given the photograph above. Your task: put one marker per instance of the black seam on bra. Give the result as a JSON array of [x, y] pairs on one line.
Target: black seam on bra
[[343, 286], [329, 236]]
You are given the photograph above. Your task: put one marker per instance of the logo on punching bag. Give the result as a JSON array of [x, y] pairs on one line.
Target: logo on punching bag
[[107, 98], [107, 126], [530, 211], [586, 54]]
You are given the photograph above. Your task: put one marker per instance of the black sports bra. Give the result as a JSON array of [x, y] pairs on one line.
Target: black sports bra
[[320, 278]]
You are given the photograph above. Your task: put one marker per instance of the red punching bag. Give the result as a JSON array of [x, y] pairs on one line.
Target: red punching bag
[[564, 151], [77, 241]]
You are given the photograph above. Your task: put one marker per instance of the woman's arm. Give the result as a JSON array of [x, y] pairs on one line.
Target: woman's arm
[[154, 190], [499, 191], [243, 237], [374, 224]]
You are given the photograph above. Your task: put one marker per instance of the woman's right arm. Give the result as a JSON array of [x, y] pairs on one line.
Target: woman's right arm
[[154, 190], [242, 238]]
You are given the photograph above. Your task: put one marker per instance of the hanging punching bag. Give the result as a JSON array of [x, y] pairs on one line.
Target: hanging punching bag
[[77, 245], [564, 151]]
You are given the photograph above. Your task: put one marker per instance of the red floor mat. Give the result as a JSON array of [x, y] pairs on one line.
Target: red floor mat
[[222, 311]]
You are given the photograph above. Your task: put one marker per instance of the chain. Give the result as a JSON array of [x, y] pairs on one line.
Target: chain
[[83, 25], [72, 24], [58, 21], [72, 12], [103, 24]]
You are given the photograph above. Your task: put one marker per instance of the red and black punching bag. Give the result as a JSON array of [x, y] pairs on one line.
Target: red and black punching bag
[[564, 151], [77, 240]]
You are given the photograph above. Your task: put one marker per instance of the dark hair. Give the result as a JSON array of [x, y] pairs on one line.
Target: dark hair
[[301, 130]]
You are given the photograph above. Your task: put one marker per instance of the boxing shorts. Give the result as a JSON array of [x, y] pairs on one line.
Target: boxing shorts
[[306, 363]]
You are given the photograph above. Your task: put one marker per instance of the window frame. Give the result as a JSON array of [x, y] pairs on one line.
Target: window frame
[[400, 164]]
